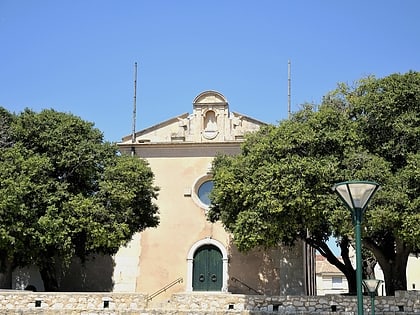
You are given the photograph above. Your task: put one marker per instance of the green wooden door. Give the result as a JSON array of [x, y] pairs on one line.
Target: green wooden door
[[207, 269]]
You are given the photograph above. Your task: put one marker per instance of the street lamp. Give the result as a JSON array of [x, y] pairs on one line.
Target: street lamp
[[372, 286], [356, 196]]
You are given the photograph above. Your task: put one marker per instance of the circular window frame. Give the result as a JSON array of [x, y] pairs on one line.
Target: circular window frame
[[196, 186]]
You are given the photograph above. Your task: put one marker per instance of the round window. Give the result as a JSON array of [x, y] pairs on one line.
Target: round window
[[204, 191]]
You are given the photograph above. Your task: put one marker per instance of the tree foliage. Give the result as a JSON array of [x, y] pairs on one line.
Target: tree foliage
[[64, 192], [278, 190]]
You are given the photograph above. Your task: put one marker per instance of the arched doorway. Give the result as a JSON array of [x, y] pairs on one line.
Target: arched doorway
[[207, 269], [207, 266]]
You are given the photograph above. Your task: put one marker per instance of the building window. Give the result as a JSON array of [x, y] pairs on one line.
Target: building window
[[201, 191], [204, 192], [337, 282]]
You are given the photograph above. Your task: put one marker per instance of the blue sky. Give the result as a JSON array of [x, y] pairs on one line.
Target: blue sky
[[78, 56]]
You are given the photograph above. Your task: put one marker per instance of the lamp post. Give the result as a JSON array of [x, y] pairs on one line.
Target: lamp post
[[356, 196], [372, 286]]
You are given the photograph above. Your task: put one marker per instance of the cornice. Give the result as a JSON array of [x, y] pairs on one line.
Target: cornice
[[182, 149]]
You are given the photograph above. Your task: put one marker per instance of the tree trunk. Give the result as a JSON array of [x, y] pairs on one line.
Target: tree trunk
[[393, 264], [347, 268], [6, 274], [395, 280], [350, 275], [344, 266], [394, 275], [49, 277]]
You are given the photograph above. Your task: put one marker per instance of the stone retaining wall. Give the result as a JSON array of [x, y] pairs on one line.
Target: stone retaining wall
[[32, 303], [403, 302], [78, 303]]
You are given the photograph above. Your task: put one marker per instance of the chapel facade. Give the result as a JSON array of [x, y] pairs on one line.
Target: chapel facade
[[186, 252]]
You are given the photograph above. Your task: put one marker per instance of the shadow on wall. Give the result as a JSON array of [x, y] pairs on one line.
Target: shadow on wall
[[95, 275], [292, 270], [276, 271]]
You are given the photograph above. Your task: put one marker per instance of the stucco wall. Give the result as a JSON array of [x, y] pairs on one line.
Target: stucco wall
[[183, 223], [180, 151], [96, 275], [413, 273], [164, 250], [277, 271]]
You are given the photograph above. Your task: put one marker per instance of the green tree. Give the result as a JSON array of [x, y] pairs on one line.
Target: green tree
[[5, 142], [387, 114], [278, 190], [5, 120], [64, 191]]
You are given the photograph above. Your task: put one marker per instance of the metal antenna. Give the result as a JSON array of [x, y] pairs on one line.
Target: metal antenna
[[133, 135], [289, 89]]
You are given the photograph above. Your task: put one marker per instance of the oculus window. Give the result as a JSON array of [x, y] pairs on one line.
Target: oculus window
[[201, 191], [204, 191]]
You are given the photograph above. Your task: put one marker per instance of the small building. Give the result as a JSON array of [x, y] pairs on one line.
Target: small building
[[186, 252], [329, 279]]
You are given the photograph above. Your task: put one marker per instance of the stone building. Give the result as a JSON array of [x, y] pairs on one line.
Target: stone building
[[329, 279]]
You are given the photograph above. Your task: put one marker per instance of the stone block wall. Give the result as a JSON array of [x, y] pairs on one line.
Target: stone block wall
[[69, 302], [73, 303], [404, 302]]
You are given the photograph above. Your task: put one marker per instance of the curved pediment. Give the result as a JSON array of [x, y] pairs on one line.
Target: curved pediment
[[210, 97]]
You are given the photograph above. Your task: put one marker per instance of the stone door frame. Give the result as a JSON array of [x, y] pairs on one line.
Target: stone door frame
[[190, 259]]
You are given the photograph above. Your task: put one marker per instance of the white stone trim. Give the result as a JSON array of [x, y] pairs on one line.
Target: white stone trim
[[190, 258]]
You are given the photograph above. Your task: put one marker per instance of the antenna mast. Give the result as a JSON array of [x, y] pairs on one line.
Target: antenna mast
[[289, 94], [133, 136]]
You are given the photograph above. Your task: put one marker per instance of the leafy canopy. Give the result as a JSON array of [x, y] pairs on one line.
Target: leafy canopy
[[64, 191], [278, 190]]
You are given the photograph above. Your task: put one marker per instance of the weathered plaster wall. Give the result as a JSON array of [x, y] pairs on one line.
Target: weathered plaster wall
[[183, 223]]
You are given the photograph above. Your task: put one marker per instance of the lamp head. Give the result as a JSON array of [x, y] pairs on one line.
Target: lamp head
[[356, 194], [372, 284]]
